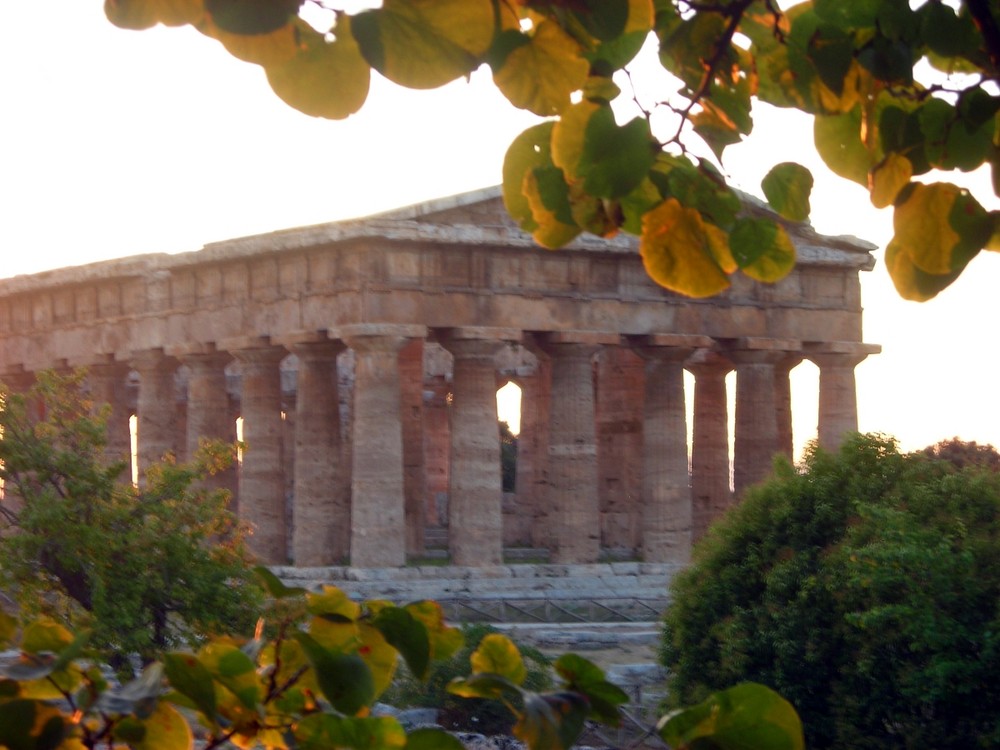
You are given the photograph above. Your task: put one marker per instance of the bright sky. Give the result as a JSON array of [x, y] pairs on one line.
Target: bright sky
[[117, 143]]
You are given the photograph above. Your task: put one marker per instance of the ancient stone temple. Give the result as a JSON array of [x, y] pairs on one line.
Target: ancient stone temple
[[362, 360]]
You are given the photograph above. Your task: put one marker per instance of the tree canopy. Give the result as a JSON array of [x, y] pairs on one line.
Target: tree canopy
[[897, 93]]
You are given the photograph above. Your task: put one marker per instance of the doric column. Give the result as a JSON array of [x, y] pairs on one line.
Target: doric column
[[756, 439], [710, 492], [619, 413], [156, 429], [378, 531], [666, 485], [783, 403], [475, 492], [532, 452], [321, 513], [411, 383], [107, 386], [208, 409], [838, 398], [572, 492], [262, 477]]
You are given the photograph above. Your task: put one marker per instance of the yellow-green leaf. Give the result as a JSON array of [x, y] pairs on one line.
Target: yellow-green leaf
[[233, 669], [379, 655], [762, 248], [540, 76], [423, 44], [678, 250], [188, 676], [325, 78], [333, 602], [45, 635], [553, 721], [838, 141], [922, 228], [166, 729], [615, 53], [275, 47], [530, 150], [911, 282], [497, 654], [445, 639], [787, 187], [548, 197], [887, 178], [251, 17], [324, 731]]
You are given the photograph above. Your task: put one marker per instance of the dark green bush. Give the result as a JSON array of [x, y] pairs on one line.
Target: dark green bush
[[467, 714], [865, 588]]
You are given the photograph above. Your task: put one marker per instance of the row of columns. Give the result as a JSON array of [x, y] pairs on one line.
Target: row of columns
[[353, 500]]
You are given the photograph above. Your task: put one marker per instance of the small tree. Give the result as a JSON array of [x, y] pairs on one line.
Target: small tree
[[865, 588], [145, 569]]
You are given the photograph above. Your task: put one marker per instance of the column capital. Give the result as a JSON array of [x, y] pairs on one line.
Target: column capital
[[705, 362], [378, 337], [320, 350], [840, 353], [265, 355], [151, 360]]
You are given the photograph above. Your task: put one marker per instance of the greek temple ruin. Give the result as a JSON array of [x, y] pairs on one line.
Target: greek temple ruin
[[362, 359]]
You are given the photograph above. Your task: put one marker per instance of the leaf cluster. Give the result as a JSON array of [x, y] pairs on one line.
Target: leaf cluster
[[865, 588], [142, 568], [313, 685], [896, 91]]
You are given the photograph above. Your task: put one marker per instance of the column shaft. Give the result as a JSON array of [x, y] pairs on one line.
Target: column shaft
[[411, 378], [756, 417], [475, 494], [321, 514], [838, 397], [156, 429], [107, 387], [262, 481], [710, 465]]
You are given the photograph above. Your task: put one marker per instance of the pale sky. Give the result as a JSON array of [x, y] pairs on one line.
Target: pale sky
[[117, 143]]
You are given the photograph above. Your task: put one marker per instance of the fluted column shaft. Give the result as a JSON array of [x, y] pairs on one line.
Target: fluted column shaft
[[157, 408], [710, 493], [756, 439], [838, 397], [378, 527], [208, 413], [321, 515], [572, 451], [411, 377], [475, 492], [107, 386], [666, 488], [783, 403], [262, 480]]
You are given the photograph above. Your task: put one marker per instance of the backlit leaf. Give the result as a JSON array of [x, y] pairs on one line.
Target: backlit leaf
[[233, 669], [548, 196], [678, 250], [325, 78], [251, 16], [30, 725], [142, 14], [484, 685], [379, 655], [787, 187], [852, 14], [531, 149], [929, 233], [762, 248], [497, 654], [345, 679], [552, 720], [715, 128], [911, 282], [615, 53], [888, 178], [408, 635], [166, 729], [275, 587], [273, 48], [334, 603], [423, 44], [445, 640], [745, 716], [540, 76], [838, 141], [189, 677]]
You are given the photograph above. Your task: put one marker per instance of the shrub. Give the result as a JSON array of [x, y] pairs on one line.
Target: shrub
[[865, 588]]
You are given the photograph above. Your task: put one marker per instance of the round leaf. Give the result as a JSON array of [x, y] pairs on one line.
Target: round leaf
[[787, 187], [531, 149], [189, 677], [540, 76], [497, 654], [166, 729], [888, 178], [251, 16], [762, 248], [679, 250]]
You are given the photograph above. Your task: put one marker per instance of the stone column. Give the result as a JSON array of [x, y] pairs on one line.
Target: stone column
[[710, 492], [475, 492], [17, 381], [378, 529], [322, 514], [411, 379], [262, 477], [532, 453], [756, 439], [838, 398], [208, 410], [107, 386], [667, 514], [156, 429], [783, 403], [572, 492]]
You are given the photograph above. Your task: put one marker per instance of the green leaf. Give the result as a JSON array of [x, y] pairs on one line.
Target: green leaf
[[762, 249], [273, 584], [911, 282], [553, 720], [497, 654], [585, 677], [838, 141], [166, 729], [888, 178], [683, 253], [423, 44], [45, 635], [947, 33], [30, 725], [142, 14], [189, 677], [333, 604], [616, 52], [542, 72], [848, 14], [939, 226], [831, 50], [324, 731], [787, 187], [345, 679], [325, 78], [408, 636], [484, 685], [251, 16], [745, 716], [233, 669], [8, 629], [614, 159], [548, 195], [426, 738], [603, 19]]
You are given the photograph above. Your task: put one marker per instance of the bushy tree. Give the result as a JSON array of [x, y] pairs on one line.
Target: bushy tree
[[144, 568], [864, 587], [898, 89]]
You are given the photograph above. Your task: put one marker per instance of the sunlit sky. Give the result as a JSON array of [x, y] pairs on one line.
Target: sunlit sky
[[117, 143]]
